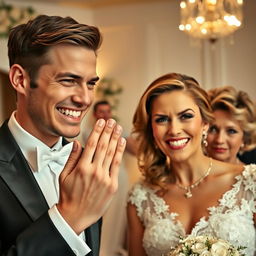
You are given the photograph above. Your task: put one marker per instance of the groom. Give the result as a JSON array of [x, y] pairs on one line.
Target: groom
[[53, 193]]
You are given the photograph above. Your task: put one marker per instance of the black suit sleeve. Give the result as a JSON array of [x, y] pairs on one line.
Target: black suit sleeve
[[41, 238]]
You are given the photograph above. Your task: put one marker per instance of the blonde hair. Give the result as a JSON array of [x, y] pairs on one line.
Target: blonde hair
[[152, 162], [242, 109]]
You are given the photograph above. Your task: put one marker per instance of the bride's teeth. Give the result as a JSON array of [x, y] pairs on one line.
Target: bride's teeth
[[68, 112], [178, 142]]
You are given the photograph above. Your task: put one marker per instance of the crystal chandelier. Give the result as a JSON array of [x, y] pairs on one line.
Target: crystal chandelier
[[210, 19]]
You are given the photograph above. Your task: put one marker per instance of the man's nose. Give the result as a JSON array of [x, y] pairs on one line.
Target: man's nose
[[83, 96]]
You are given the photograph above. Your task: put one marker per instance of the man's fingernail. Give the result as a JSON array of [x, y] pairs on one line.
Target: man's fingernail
[[118, 129], [111, 123], [100, 122], [122, 141]]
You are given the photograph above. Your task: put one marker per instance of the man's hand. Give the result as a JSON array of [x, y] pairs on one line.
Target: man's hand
[[90, 178]]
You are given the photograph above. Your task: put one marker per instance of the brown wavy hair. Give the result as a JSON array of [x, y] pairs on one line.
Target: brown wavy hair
[[151, 160], [241, 108], [29, 43]]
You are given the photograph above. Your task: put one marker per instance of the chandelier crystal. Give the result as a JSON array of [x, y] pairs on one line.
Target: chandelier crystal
[[210, 19]]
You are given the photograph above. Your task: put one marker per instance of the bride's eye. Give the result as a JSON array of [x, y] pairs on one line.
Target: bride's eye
[[162, 119], [186, 116]]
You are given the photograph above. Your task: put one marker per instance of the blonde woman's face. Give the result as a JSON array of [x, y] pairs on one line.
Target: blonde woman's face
[[177, 125], [225, 137]]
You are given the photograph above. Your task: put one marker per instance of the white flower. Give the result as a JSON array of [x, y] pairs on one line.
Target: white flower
[[220, 248], [204, 246], [199, 247], [205, 253]]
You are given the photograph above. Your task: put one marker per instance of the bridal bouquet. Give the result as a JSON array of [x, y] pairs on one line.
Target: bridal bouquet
[[205, 246]]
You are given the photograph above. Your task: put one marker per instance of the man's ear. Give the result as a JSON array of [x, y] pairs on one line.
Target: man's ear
[[19, 78]]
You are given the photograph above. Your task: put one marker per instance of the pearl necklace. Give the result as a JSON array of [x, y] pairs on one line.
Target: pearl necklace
[[188, 193]]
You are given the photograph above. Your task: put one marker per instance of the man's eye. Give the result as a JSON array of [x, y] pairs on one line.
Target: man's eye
[[162, 119], [67, 81], [91, 85]]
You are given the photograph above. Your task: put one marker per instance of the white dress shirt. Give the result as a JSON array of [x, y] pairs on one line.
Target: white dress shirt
[[48, 181]]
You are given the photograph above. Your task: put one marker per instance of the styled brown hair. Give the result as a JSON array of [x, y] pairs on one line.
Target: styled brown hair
[[151, 160], [29, 43], [241, 108]]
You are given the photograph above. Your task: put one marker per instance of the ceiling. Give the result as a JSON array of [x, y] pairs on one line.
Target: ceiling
[[96, 3]]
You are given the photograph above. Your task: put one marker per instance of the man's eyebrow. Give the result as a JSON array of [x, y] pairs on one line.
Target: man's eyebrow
[[67, 74], [95, 79], [71, 75]]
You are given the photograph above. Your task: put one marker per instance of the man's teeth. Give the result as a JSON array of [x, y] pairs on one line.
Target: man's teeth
[[68, 112], [177, 143]]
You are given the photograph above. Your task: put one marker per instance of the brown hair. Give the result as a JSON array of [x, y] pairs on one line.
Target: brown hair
[[29, 43], [242, 109], [152, 162]]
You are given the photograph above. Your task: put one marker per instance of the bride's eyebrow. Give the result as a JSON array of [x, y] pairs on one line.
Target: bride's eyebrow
[[186, 110]]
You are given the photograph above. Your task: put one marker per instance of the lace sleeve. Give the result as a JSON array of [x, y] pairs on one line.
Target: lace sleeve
[[137, 196], [249, 185]]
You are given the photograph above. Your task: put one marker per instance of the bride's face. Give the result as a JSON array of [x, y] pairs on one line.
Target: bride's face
[[177, 125]]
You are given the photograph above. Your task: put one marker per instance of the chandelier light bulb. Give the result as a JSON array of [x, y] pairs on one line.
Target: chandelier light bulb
[[200, 19], [188, 27], [212, 2], [210, 19], [183, 5], [181, 27], [204, 31]]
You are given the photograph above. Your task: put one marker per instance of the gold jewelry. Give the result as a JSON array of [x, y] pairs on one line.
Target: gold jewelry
[[188, 193], [205, 143]]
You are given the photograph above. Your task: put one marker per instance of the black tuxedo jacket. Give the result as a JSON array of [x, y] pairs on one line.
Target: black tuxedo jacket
[[25, 226]]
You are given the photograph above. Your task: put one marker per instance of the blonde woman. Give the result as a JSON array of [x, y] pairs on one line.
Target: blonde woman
[[184, 191], [233, 129]]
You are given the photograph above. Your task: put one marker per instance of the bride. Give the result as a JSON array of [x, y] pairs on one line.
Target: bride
[[183, 191]]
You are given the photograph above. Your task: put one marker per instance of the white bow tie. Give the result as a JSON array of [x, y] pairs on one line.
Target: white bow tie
[[45, 157]]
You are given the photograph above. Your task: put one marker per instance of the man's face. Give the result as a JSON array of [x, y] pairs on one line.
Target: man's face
[[103, 111], [65, 90]]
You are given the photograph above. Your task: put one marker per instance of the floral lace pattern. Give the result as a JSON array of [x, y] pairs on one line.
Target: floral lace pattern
[[231, 219]]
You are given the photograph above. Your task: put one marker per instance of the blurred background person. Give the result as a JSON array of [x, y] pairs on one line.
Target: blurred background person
[[233, 130], [102, 109]]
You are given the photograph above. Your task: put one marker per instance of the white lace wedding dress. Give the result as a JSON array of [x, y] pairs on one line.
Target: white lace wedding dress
[[231, 220]]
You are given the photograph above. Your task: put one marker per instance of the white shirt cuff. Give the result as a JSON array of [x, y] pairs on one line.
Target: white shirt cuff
[[76, 243]]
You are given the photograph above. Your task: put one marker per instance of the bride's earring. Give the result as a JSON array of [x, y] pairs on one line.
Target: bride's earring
[[204, 137]]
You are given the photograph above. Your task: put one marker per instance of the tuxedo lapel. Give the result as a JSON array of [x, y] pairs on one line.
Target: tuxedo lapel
[[16, 173]]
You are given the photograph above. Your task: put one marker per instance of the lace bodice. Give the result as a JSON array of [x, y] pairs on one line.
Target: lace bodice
[[231, 220]]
